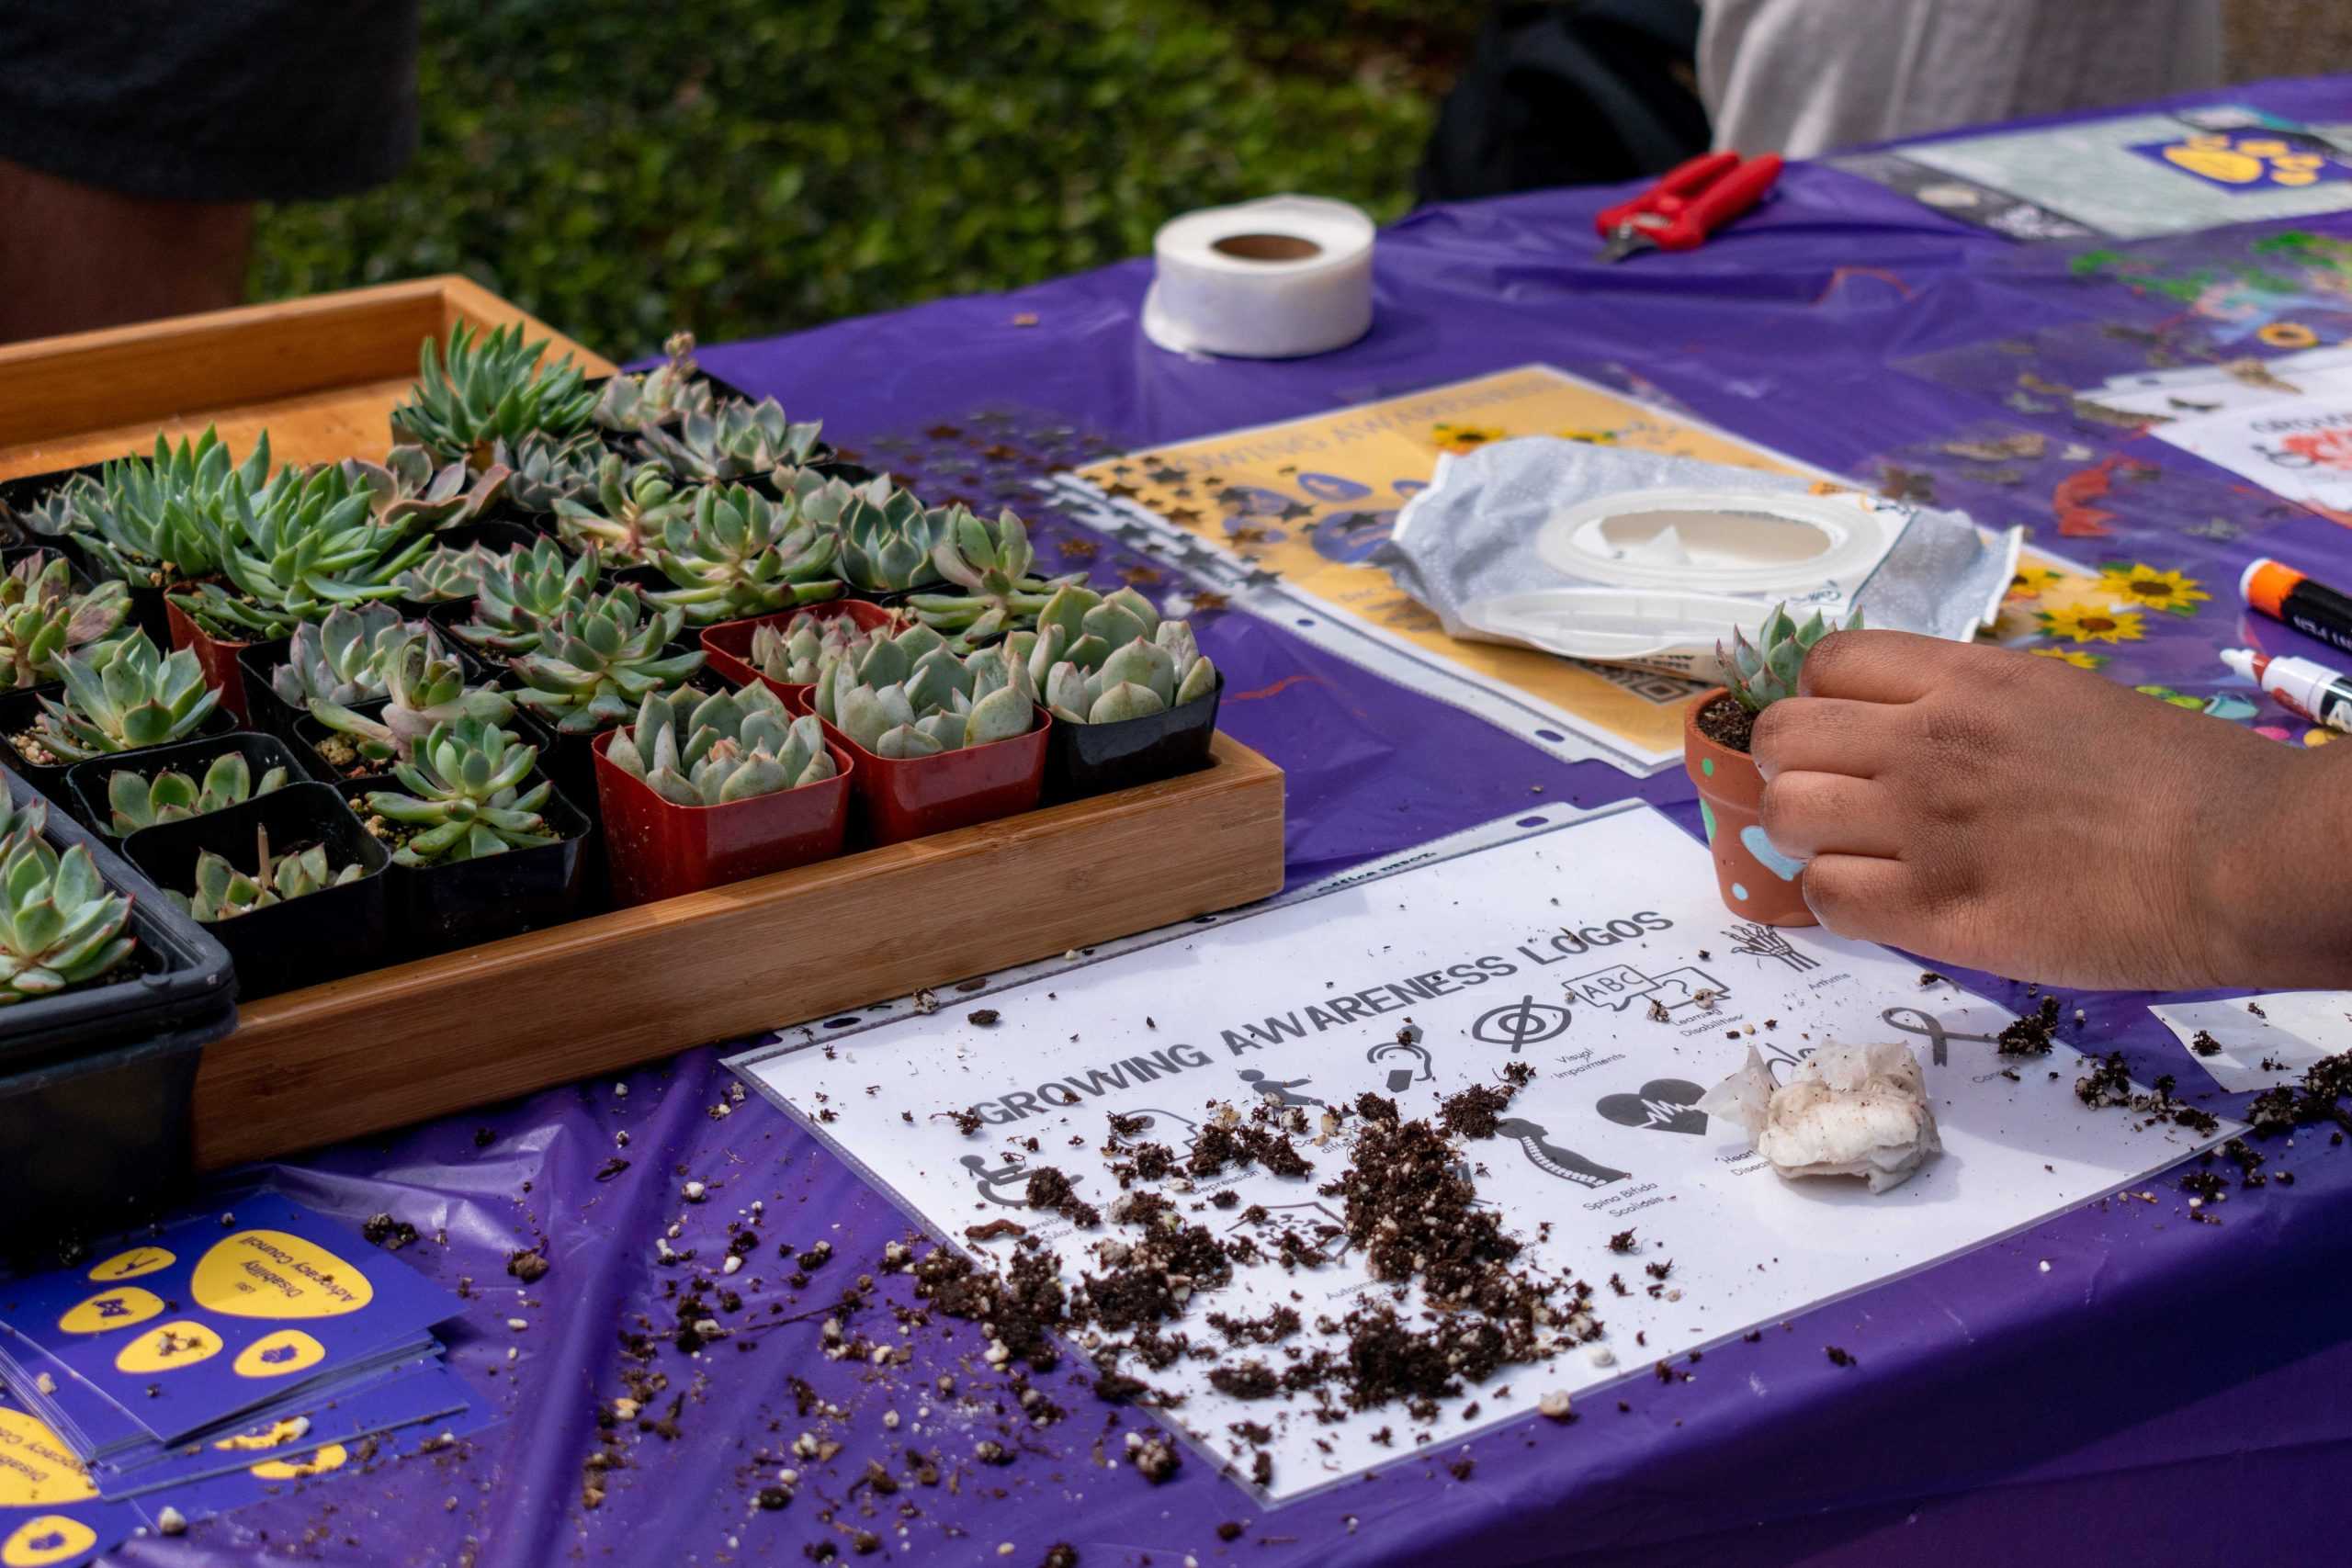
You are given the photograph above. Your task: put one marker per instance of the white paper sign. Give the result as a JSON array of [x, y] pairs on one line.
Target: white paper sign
[[2298, 447], [2293, 1030], [1555, 950]]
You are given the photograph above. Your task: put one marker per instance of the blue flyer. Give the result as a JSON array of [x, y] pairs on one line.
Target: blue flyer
[[50, 1514], [216, 1317]]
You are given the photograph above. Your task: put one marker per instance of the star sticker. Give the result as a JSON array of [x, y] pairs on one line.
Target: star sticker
[[1164, 475], [1294, 511], [1233, 496], [943, 432], [1184, 516], [1120, 491], [999, 452], [1259, 577], [1131, 533]]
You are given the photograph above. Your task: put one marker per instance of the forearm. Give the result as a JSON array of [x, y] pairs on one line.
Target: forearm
[[2279, 910]]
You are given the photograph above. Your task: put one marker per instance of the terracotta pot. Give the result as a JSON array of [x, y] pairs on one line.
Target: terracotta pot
[[913, 797], [726, 647], [661, 850], [217, 656], [1758, 882]]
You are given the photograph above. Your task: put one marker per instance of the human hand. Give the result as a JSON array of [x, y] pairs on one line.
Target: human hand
[[1982, 808]]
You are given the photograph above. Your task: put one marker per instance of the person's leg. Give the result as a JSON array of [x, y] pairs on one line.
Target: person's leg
[[74, 256]]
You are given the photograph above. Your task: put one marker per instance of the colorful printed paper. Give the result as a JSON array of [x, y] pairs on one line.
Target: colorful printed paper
[[50, 1514], [205, 1320], [1281, 520]]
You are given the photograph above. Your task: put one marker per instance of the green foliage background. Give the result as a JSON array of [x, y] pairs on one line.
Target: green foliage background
[[749, 166]]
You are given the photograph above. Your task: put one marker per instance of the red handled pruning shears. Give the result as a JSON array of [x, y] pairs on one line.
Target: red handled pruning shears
[[1688, 205]]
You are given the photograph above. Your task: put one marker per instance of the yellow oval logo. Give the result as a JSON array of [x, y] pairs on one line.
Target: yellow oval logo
[[167, 1348], [53, 1538], [263, 1273], [269, 1437], [41, 1471], [111, 1309], [318, 1462], [275, 1355], [130, 1265]]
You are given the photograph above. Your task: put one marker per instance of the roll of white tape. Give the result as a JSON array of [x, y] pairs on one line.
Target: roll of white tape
[[1276, 278]]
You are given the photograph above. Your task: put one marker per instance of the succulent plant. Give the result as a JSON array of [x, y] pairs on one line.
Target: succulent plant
[[740, 554], [696, 749], [1760, 674], [444, 575], [43, 619], [425, 688], [27, 819], [732, 440], [1138, 678], [119, 696], [343, 657], [302, 544], [489, 389], [881, 660], [991, 563], [60, 924], [796, 651], [944, 702], [410, 491], [597, 663], [663, 395], [135, 801], [545, 469], [623, 519], [160, 520], [465, 795], [223, 892], [518, 595], [887, 536]]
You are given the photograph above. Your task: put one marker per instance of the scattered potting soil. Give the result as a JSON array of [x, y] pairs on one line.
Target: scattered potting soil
[[388, 1233], [2031, 1034], [2318, 1099], [2204, 1045], [2108, 1085], [1727, 722]]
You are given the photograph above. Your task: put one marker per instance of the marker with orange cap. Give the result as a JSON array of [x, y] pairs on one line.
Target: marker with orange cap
[[2304, 687], [2283, 593]]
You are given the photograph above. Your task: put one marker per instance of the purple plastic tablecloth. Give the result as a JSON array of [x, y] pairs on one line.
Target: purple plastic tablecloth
[[2116, 1384]]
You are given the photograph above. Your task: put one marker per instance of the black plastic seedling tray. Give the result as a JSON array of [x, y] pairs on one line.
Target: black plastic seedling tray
[[87, 781], [301, 942], [184, 981]]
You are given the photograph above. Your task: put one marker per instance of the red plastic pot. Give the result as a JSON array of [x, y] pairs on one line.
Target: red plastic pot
[[726, 647], [221, 670], [659, 849], [1758, 882], [913, 797]]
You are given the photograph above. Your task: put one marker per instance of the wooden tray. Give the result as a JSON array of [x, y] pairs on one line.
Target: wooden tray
[[440, 1035]]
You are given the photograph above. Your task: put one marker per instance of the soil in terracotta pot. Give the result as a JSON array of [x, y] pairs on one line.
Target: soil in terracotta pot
[[1727, 722]]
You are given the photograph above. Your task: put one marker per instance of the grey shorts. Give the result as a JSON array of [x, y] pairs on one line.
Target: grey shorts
[[210, 100]]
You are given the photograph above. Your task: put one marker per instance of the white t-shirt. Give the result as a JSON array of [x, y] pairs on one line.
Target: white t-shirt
[[1803, 76]]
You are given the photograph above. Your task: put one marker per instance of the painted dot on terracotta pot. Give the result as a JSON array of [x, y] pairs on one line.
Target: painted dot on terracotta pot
[[1737, 891], [1707, 815], [1707, 766]]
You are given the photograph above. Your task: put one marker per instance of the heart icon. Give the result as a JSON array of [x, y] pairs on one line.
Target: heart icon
[[1665, 1105], [1752, 840]]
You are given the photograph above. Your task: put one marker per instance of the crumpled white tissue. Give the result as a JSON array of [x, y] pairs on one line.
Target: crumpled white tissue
[[1850, 1111]]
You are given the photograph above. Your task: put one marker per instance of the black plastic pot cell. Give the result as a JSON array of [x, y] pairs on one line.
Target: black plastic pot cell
[[87, 781], [1095, 758], [18, 711], [496, 534], [274, 715], [182, 976], [301, 942], [462, 903]]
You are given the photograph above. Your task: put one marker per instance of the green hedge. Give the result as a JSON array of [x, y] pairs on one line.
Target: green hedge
[[748, 167]]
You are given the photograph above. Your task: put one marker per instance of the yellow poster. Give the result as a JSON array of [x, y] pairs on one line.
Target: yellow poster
[[1303, 504]]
